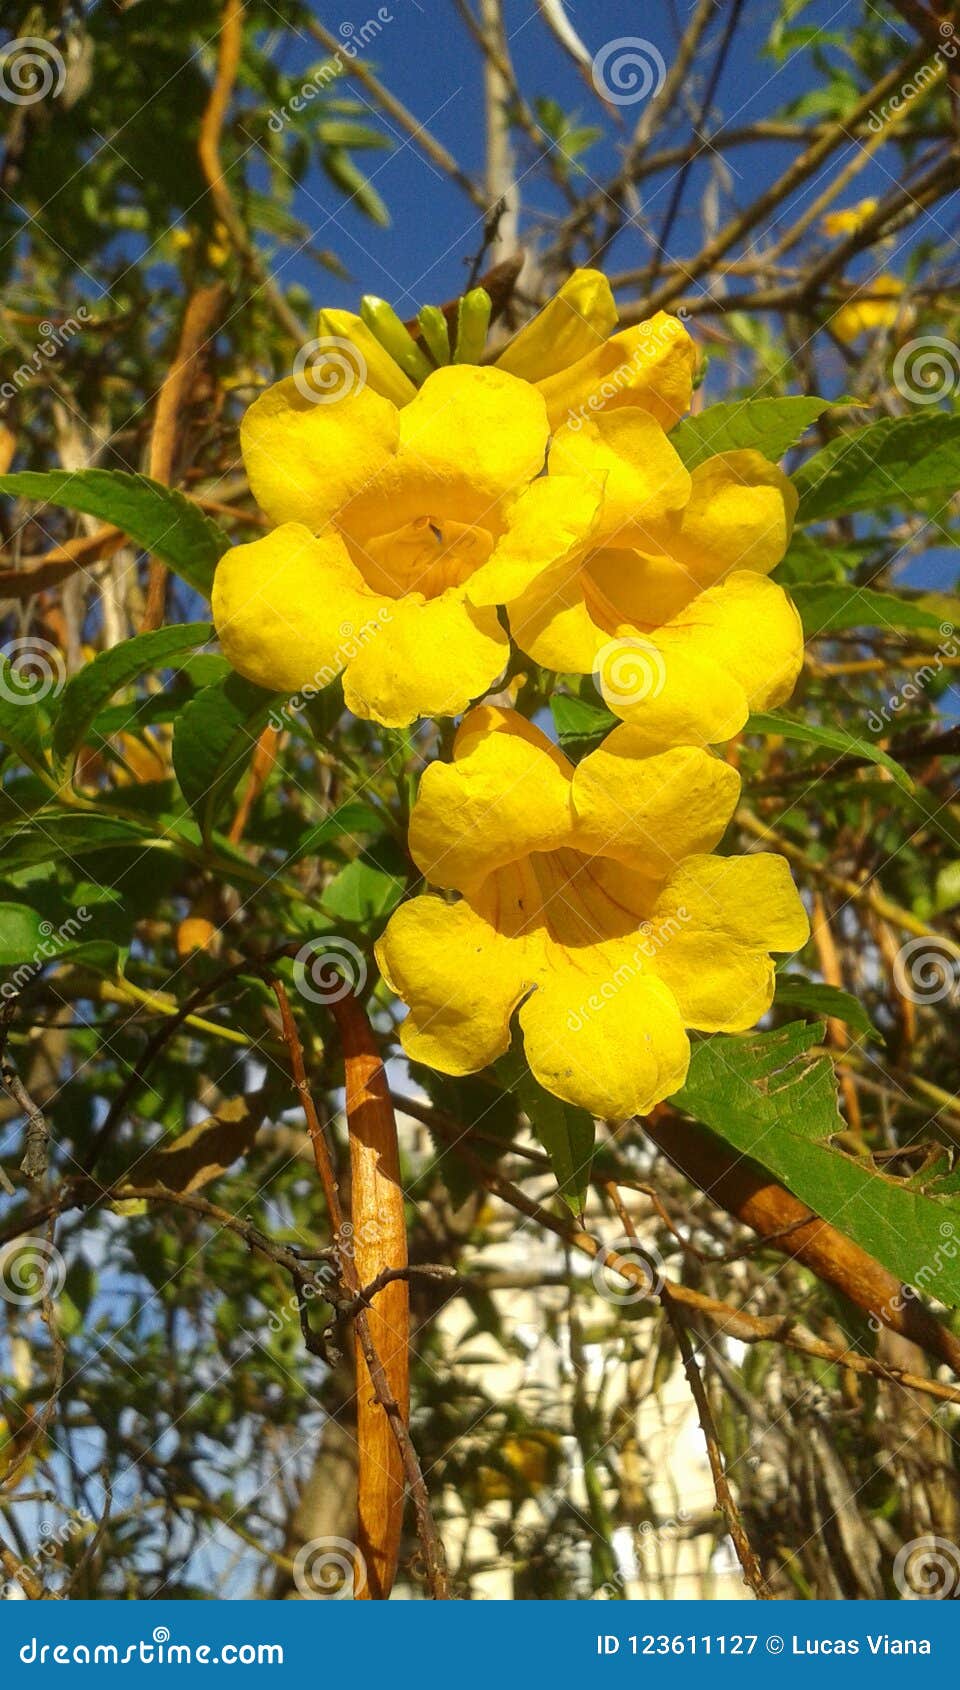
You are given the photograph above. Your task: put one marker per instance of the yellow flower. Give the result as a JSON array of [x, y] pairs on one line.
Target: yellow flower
[[859, 316], [849, 221], [664, 598], [384, 516], [586, 899]]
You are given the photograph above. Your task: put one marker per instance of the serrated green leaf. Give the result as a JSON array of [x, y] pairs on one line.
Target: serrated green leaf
[[158, 518], [770, 426], [97, 682], [890, 462], [345, 174], [213, 740], [834, 739], [773, 1100], [827, 609], [794, 991]]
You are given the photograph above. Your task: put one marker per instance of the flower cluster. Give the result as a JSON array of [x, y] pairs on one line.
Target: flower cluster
[[537, 502]]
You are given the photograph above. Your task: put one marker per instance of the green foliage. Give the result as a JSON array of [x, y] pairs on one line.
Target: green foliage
[[775, 1101]]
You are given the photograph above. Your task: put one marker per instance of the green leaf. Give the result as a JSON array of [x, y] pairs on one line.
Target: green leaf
[[21, 724], [22, 930], [157, 518], [51, 838], [771, 1099], [794, 991], [345, 174], [770, 426], [834, 739], [891, 462], [827, 609], [369, 887], [213, 740], [97, 682], [566, 1133], [581, 725]]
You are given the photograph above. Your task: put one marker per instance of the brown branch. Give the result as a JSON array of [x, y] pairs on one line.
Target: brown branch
[[432, 1546]]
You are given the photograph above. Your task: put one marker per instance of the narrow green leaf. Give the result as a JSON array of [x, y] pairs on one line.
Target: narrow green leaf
[[97, 682], [833, 739], [770, 426], [21, 724], [772, 1099], [829, 609], [157, 518], [213, 740], [49, 838], [891, 462], [567, 1134]]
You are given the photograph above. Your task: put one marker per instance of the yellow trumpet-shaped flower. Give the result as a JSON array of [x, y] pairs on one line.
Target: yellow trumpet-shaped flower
[[665, 599], [850, 220], [588, 900], [384, 515]]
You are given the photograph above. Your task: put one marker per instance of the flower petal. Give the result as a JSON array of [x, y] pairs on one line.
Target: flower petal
[[713, 926], [290, 608], [739, 516], [551, 623], [613, 1045], [503, 796], [305, 457], [696, 679], [433, 657], [651, 365], [577, 319], [651, 812], [460, 979], [549, 523], [627, 457], [477, 425]]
